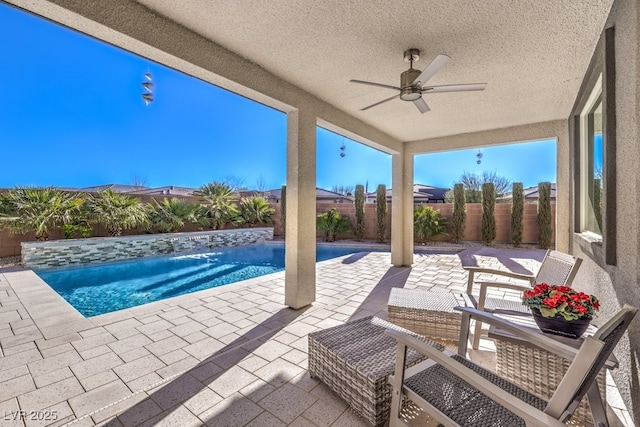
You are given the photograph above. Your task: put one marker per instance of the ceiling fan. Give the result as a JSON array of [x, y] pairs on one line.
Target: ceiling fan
[[413, 82]]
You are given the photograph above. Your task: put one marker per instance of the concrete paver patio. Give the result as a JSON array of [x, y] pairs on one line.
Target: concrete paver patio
[[233, 355]]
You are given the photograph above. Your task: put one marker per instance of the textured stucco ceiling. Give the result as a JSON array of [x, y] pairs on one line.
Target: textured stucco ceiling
[[532, 53]]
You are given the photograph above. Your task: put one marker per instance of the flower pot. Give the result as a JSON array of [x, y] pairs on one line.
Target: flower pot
[[558, 325]]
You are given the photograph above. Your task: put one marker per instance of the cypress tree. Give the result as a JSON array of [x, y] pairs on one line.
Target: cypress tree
[[283, 210], [381, 212], [544, 215], [459, 214], [359, 202], [517, 214], [488, 209], [597, 202]]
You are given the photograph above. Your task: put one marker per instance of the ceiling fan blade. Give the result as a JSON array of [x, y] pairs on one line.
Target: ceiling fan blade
[[435, 66], [422, 105], [454, 88], [362, 82], [380, 102]]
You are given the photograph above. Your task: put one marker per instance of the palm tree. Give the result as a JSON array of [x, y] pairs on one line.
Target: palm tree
[[38, 209], [5, 205], [116, 211], [173, 214], [428, 223], [218, 202], [256, 210], [332, 223]]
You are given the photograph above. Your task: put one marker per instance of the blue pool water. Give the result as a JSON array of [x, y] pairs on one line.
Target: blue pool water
[[100, 289]]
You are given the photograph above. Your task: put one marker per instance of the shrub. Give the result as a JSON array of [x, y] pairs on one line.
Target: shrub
[[359, 202], [5, 205], [544, 215], [74, 231], [173, 214], [597, 202], [488, 216], [255, 210], [517, 214], [116, 211], [428, 223], [459, 214], [218, 201], [283, 209], [37, 210], [381, 212], [332, 223]]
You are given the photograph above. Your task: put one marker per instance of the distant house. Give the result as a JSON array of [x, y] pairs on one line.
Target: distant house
[[322, 196], [436, 194], [169, 190], [531, 194], [421, 194], [251, 193], [116, 188]]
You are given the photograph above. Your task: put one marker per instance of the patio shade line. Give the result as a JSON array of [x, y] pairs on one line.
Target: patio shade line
[[176, 375]]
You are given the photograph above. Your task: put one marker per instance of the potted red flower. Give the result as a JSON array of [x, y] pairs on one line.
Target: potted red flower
[[561, 310]]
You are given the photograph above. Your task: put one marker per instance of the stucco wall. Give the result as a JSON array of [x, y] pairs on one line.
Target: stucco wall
[[38, 255], [618, 285]]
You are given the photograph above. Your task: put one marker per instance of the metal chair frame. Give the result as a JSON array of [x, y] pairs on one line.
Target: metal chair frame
[[557, 268], [580, 378]]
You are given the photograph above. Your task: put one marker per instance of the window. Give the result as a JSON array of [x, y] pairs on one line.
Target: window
[[591, 163], [593, 138]]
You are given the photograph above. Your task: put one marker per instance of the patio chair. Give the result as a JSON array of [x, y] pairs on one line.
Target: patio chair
[[457, 392], [557, 268]]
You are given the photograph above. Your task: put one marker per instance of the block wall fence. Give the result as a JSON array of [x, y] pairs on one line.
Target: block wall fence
[[473, 221], [10, 243]]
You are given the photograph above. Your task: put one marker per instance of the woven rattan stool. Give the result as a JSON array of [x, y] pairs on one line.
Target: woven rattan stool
[[355, 360], [424, 312]]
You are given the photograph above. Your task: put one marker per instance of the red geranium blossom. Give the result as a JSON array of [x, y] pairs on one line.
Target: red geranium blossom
[[560, 301]]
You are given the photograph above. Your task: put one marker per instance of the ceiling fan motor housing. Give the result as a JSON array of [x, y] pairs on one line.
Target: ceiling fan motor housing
[[409, 91]]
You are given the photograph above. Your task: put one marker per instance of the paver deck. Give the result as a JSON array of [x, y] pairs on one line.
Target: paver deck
[[228, 356]]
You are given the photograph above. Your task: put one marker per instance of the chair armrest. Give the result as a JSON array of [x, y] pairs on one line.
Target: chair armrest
[[482, 297], [473, 270], [539, 340], [491, 284], [530, 414]]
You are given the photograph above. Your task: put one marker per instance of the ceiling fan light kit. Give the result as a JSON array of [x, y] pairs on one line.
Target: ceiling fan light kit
[[412, 82]]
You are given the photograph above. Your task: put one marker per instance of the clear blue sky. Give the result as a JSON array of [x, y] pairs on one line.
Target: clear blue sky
[[71, 115]]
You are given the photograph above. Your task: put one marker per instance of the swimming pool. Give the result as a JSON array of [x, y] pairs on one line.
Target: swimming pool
[[100, 289]]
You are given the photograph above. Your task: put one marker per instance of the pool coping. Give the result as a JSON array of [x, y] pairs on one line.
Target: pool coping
[[56, 317]]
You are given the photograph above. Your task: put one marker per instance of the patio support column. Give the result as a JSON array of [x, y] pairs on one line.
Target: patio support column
[[402, 209], [563, 191], [300, 237]]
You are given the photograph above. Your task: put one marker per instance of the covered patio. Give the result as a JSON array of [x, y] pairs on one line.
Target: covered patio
[[234, 355], [540, 61]]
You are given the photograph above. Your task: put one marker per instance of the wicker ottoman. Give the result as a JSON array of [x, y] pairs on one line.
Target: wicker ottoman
[[424, 312], [355, 360]]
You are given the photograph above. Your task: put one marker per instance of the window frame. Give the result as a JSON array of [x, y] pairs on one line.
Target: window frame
[[603, 249], [586, 138]]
